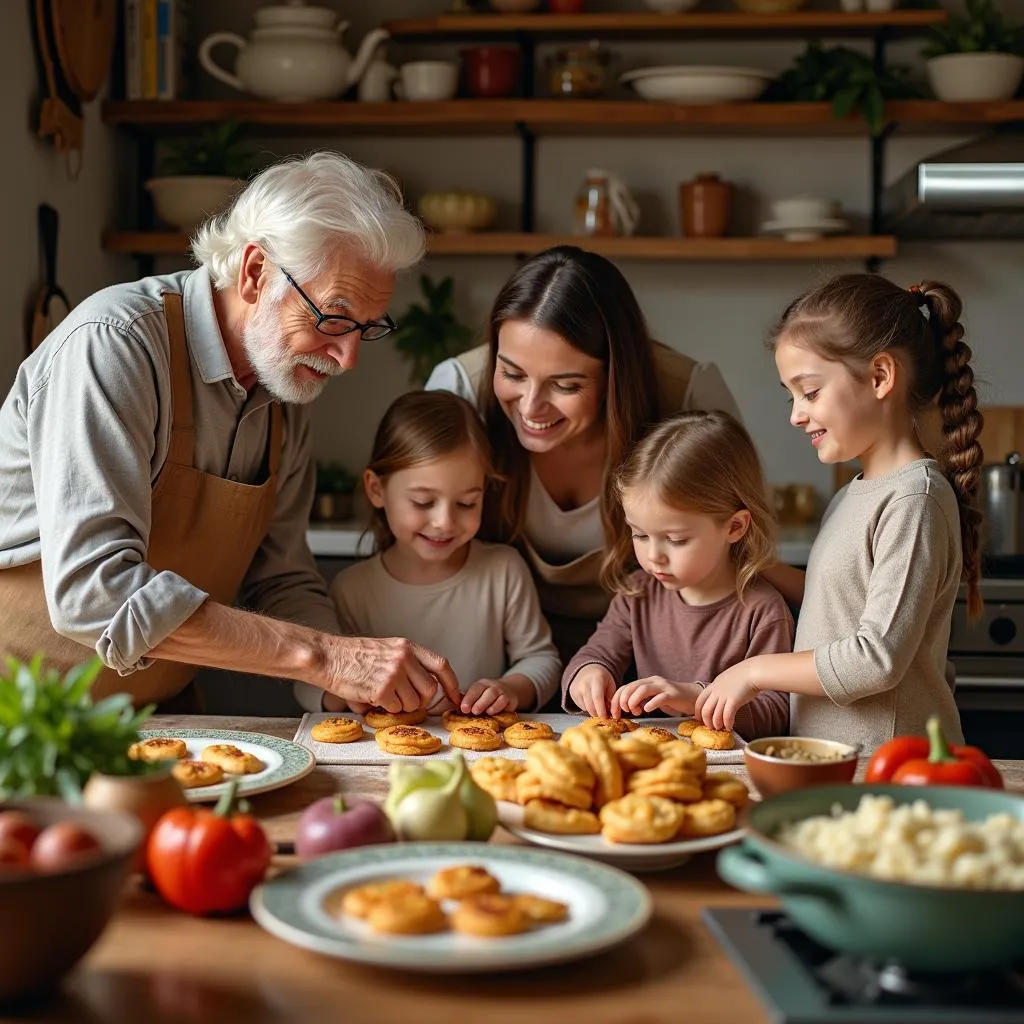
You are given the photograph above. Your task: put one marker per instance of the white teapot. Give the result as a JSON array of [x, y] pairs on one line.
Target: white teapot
[[294, 54]]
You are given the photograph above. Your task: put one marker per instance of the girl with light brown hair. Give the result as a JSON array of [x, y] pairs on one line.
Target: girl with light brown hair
[[693, 497], [864, 360]]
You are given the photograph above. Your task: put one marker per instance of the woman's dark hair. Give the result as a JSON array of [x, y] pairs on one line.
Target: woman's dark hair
[[585, 299], [855, 317]]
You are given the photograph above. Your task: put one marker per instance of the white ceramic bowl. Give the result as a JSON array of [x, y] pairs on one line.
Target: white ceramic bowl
[[803, 209], [185, 201], [698, 84], [455, 211], [975, 77]]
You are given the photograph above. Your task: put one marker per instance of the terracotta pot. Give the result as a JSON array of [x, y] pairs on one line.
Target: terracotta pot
[[705, 206], [491, 71], [147, 797]]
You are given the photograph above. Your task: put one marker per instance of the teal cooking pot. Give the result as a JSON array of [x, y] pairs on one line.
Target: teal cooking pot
[[923, 927]]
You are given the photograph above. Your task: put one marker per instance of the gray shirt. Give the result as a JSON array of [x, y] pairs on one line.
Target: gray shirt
[[84, 433], [881, 581]]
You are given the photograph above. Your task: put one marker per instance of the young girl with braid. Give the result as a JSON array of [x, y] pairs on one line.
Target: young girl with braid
[[863, 359]]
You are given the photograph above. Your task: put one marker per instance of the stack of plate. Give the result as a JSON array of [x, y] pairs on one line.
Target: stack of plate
[[697, 83]]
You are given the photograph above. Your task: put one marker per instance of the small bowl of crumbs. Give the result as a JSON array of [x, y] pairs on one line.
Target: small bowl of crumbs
[[777, 764]]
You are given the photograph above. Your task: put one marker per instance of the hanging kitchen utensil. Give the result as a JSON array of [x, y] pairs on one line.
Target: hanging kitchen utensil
[[51, 305]]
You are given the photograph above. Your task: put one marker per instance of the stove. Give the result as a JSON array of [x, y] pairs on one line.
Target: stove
[[802, 982]]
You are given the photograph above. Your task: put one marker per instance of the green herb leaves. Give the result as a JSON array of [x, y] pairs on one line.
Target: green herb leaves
[[428, 334]]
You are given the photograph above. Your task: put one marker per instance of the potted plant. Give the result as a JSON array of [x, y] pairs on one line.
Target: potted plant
[[845, 78], [200, 176], [335, 486], [430, 332], [975, 56]]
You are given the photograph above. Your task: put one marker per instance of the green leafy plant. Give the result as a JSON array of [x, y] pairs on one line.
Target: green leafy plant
[[53, 736], [980, 29], [845, 78], [430, 332], [334, 478], [217, 152]]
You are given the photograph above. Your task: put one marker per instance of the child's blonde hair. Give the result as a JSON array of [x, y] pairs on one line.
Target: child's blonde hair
[[855, 317], [419, 427], [702, 462]]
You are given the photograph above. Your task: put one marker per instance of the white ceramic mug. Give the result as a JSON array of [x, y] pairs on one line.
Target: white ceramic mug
[[803, 210], [426, 80]]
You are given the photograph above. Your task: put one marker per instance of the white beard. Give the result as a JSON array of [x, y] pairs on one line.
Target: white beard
[[274, 363]]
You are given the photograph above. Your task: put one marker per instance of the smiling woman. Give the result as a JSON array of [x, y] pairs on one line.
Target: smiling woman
[[567, 383]]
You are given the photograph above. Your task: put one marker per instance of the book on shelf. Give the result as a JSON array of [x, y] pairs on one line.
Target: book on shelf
[[154, 49]]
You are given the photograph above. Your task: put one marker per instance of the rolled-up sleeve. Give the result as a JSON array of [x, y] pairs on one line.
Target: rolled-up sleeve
[[91, 429], [450, 375]]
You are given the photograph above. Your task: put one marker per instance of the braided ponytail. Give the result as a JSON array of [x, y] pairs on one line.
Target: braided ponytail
[[961, 456]]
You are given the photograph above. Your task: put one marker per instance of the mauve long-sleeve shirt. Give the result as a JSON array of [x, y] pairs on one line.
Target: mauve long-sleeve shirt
[[692, 644]]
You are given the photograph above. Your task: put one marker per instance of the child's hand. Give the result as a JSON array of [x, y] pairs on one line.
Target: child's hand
[[655, 694], [718, 703], [592, 690], [488, 697]]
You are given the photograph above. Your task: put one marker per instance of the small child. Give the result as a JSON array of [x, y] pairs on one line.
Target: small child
[[863, 359], [474, 603], [694, 499]]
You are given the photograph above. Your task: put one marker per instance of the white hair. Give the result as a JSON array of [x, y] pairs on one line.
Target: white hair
[[302, 210]]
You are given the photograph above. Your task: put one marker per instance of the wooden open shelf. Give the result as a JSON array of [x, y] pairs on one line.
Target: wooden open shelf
[[842, 247], [552, 117], [655, 25]]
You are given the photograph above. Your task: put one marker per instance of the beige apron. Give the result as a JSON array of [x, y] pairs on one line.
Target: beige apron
[[204, 528]]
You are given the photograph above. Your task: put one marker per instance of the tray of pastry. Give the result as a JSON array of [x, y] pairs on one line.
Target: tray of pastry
[[378, 738]]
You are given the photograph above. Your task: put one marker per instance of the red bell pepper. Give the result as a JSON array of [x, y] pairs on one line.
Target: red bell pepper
[[916, 761], [203, 861]]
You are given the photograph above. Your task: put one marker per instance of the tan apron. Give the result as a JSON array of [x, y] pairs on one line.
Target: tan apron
[[204, 528]]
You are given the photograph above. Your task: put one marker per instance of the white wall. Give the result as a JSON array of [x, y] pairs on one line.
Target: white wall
[[715, 312]]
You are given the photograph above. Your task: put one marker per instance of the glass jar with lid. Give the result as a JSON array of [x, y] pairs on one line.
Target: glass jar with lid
[[579, 72]]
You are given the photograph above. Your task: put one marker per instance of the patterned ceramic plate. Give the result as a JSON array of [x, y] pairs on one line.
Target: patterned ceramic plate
[[629, 856], [285, 761], [302, 907]]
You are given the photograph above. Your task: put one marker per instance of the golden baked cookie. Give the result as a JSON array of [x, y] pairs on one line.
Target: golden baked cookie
[[686, 726], [685, 755], [158, 748], [667, 780], [232, 759], [610, 726], [634, 754], [412, 914], [457, 720], [723, 786], [640, 819], [554, 762], [655, 734], [505, 718], [361, 900], [497, 776], [712, 739], [406, 740], [532, 787], [337, 730], [548, 816], [462, 880], [474, 737], [541, 910], [593, 746], [708, 818], [525, 734], [378, 718], [490, 915], [194, 774]]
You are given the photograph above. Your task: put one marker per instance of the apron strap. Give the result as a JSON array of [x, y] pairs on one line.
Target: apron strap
[[183, 433], [276, 433]]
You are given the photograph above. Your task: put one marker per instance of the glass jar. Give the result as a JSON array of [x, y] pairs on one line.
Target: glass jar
[[592, 214], [579, 72]]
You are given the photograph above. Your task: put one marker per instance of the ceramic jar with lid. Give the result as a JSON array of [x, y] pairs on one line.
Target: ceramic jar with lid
[[579, 72], [705, 206]]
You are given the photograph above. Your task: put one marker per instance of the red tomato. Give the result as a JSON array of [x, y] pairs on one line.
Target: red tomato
[[63, 845], [13, 855], [18, 825]]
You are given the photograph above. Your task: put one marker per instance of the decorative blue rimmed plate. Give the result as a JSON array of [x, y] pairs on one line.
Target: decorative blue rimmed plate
[[285, 761], [302, 907]]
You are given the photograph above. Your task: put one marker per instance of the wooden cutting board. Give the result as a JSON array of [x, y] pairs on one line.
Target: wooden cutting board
[[84, 31]]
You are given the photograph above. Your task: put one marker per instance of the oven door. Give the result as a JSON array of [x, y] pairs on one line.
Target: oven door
[[991, 702]]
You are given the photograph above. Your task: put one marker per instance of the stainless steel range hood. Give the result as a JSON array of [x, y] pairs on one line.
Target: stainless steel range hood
[[972, 191]]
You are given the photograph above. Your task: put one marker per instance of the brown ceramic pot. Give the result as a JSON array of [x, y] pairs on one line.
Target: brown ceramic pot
[[774, 775], [705, 206], [491, 71]]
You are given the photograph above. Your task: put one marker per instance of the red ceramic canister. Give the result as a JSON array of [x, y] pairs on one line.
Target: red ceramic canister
[[491, 71]]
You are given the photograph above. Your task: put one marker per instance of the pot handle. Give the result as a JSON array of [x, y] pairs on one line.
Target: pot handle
[[212, 67], [742, 868]]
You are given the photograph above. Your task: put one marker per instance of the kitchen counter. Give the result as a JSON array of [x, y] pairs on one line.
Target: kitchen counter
[[155, 964], [348, 540]]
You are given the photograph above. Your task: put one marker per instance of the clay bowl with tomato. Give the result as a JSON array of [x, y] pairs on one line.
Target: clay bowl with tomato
[[62, 869]]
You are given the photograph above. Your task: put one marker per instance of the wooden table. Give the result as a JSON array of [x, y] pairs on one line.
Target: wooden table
[[155, 965]]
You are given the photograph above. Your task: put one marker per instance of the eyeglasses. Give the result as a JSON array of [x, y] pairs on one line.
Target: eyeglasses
[[336, 326]]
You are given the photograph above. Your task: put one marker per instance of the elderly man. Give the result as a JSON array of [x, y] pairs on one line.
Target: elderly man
[[155, 453]]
